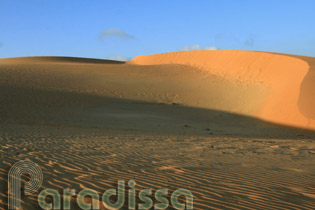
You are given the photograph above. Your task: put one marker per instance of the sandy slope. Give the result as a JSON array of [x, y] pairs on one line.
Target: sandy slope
[[282, 74], [176, 120]]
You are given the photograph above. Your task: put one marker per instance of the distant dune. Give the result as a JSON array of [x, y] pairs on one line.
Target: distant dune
[[289, 80], [56, 59]]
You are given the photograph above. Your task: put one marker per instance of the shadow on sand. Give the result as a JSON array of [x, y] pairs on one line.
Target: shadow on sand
[[65, 109]]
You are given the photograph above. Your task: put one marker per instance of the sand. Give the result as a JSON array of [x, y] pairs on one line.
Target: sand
[[236, 128], [282, 74]]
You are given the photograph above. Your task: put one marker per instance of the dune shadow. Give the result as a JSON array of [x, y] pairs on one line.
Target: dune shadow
[[306, 102], [58, 108]]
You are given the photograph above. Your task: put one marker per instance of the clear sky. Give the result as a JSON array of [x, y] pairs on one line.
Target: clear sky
[[125, 29]]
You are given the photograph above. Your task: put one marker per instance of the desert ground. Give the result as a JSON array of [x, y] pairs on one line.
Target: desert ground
[[236, 128]]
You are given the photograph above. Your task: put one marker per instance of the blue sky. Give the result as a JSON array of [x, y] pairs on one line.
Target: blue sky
[[125, 29]]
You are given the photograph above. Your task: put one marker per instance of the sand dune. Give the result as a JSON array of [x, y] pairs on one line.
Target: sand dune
[[273, 87], [56, 59], [281, 74], [213, 122]]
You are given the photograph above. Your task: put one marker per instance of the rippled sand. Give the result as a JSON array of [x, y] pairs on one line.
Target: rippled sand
[[222, 172]]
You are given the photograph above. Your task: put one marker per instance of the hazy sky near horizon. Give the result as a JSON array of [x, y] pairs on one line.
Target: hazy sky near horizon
[[124, 29]]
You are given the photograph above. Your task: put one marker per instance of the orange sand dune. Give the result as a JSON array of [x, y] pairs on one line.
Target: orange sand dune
[[282, 74]]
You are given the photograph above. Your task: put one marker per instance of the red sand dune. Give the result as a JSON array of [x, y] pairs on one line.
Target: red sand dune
[[283, 74]]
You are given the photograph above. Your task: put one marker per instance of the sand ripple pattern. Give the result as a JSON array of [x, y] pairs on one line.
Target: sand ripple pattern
[[221, 172]]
